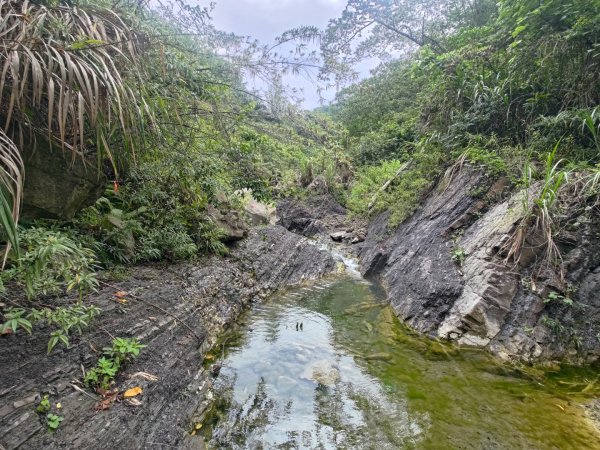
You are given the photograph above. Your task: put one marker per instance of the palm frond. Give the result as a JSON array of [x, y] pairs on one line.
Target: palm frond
[[11, 190], [67, 73], [62, 69]]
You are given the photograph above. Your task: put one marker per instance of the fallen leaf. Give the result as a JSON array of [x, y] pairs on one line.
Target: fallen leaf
[[153, 319], [120, 294], [58, 405], [132, 392], [209, 357], [109, 399], [7, 331], [133, 402], [103, 405]]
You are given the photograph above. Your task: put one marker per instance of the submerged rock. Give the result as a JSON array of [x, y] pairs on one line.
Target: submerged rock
[[322, 372], [382, 356]]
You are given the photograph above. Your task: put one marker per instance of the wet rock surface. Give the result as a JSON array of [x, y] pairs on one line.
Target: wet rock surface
[[445, 277], [320, 216], [202, 300]]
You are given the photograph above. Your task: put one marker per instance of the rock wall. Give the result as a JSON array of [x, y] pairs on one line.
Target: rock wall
[[207, 298], [444, 276], [57, 186]]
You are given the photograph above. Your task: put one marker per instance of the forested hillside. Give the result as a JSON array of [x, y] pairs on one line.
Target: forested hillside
[[506, 86]]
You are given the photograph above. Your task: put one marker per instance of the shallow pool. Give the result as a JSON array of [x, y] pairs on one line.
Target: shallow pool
[[329, 366]]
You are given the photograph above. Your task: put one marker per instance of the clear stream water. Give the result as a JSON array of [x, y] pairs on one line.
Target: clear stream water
[[353, 377]]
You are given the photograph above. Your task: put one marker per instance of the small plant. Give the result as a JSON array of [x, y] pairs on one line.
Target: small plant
[[64, 318], [121, 351], [44, 406], [53, 421], [44, 410], [555, 297], [459, 255], [553, 324]]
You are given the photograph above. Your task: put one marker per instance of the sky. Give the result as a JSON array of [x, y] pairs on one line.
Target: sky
[[266, 19]]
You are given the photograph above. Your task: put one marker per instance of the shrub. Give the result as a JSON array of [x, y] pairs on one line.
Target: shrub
[[51, 263], [62, 319]]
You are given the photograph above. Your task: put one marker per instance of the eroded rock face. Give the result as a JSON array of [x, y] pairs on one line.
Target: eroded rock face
[[415, 262], [320, 216], [278, 257], [202, 300], [476, 298], [56, 185], [490, 285]]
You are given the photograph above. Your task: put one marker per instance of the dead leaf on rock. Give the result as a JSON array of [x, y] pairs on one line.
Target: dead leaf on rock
[[109, 397], [133, 402], [132, 392], [152, 319], [144, 376], [120, 294]]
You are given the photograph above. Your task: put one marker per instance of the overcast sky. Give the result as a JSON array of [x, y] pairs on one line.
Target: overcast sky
[[266, 19]]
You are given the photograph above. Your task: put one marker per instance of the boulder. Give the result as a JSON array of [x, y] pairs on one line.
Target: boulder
[[259, 213], [58, 185], [339, 236], [322, 372], [230, 223]]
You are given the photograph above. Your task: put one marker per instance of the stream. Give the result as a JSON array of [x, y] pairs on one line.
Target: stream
[[329, 366]]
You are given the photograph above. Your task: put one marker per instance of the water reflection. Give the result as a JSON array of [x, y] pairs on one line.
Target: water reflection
[[330, 367], [297, 390]]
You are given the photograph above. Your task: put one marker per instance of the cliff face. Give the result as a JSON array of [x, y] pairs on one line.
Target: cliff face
[[445, 277]]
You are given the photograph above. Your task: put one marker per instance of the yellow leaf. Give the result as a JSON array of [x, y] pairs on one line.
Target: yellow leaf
[[209, 357], [58, 405], [198, 426], [132, 392]]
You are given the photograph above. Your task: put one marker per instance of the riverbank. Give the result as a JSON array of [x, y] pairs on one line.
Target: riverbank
[[447, 273], [178, 311]]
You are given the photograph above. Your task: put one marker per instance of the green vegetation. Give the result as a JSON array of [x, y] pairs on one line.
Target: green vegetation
[[459, 255], [152, 99], [144, 97], [107, 368], [554, 297], [51, 420]]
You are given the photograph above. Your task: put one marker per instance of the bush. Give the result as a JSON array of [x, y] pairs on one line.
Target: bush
[[405, 190], [51, 263], [63, 319]]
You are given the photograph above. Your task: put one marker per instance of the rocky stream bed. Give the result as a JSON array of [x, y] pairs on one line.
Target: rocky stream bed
[[180, 311]]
